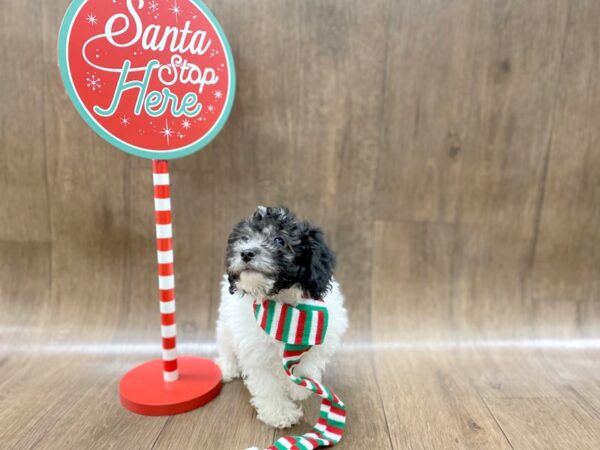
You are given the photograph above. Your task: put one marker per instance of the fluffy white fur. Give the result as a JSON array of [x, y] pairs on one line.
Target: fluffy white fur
[[246, 351]]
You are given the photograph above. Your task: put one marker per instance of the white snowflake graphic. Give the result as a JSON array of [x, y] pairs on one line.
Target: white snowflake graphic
[[218, 95], [211, 108], [93, 83], [186, 124], [153, 6], [167, 132], [92, 19], [175, 9], [125, 121]]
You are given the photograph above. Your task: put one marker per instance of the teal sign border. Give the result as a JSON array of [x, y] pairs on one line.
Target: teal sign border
[[104, 134]]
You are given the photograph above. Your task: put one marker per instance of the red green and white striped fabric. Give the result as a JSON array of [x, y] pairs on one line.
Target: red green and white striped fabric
[[299, 328]]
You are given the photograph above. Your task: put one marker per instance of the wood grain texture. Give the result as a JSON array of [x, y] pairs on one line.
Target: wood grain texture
[[550, 413], [22, 155], [566, 257], [450, 152], [437, 406]]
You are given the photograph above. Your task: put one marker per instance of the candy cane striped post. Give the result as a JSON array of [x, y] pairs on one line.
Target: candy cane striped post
[[166, 274], [172, 384]]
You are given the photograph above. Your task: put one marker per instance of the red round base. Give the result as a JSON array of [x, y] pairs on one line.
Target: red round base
[[143, 390]]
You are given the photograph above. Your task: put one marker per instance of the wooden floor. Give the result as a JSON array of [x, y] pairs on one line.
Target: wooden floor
[[480, 398], [449, 149]]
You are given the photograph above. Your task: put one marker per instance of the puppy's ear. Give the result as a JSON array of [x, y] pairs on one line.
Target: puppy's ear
[[318, 262]]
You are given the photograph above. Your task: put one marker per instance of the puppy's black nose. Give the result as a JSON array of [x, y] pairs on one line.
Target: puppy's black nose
[[248, 255]]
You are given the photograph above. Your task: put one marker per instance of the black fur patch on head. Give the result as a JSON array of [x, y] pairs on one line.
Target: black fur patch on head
[[316, 260], [288, 251]]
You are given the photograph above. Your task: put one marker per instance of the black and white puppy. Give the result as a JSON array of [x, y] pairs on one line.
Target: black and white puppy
[[273, 254]]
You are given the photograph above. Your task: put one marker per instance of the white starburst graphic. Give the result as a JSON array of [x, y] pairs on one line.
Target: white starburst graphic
[[167, 132], [93, 83], [186, 124], [125, 121], [153, 6], [91, 19], [175, 9], [218, 95], [210, 108]]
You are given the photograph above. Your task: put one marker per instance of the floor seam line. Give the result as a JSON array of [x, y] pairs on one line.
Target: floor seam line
[[493, 417], [387, 426], [160, 432]]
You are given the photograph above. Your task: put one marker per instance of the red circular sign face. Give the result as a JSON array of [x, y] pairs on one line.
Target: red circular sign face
[[154, 78]]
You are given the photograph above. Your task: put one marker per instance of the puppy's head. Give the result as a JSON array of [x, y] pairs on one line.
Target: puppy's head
[[271, 250]]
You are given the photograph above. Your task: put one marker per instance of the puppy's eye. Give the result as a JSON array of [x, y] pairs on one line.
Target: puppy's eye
[[279, 241], [245, 238]]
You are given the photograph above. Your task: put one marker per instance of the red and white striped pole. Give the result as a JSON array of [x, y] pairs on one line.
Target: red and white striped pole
[[172, 384], [166, 273]]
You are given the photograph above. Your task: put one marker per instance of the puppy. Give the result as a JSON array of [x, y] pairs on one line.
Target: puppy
[[272, 254]]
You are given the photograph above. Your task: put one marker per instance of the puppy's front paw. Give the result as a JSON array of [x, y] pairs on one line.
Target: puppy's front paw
[[229, 369], [278, 414], [283, 419]]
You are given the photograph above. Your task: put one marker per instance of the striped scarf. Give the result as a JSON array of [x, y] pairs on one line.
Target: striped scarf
[[299, 328]]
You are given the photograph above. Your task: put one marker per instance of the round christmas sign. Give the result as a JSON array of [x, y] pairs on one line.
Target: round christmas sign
[[154, 78]]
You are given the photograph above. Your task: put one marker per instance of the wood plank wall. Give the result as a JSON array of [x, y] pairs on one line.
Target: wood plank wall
[[450, 150]]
